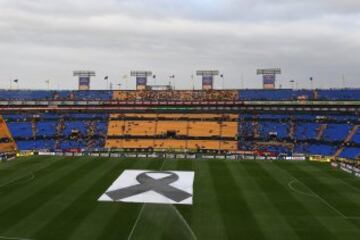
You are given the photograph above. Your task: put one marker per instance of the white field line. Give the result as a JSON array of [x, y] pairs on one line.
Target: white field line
[[186, 223], [315, 195], [18, 181], [141, 210], [183, 220], [176, 211], [136, 222], [290, 185]]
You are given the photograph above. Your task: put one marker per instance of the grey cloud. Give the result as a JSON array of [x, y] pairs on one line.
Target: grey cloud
[[48, 39]]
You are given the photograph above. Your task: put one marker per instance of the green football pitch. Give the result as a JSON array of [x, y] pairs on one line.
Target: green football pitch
[[56, 198]]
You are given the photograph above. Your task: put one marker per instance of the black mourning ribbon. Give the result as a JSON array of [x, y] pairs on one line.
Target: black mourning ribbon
[[147, 183]]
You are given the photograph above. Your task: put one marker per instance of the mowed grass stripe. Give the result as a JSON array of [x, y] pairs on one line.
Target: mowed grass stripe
[[236, 213], [334, 222], [85, 202], [162, 221], [303, 222], [207, 221], [270, 219], [22, 167], [19, 177], [11, 195], [103, 213], [18, 162], [121, 223], [35, 200], [52, 208], [33, 167], [185, 210]]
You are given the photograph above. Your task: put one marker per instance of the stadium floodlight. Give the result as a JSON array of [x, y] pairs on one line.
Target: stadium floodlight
[[207, 78], [207, 73], [82, 73], [140, 73], [84, 78], [268, 71], [141, 78], [269, 76]]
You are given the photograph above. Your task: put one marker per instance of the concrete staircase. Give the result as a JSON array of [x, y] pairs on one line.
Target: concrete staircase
[[321, 131]]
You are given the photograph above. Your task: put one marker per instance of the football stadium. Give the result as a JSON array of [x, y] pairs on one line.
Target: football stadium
[[160, 163]]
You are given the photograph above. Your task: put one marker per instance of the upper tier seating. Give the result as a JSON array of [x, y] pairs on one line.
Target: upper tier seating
[[338, 94], [288, 94], [185, 95], [59, 95], [273, 94]]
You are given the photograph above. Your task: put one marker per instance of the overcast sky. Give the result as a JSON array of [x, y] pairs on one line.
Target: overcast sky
[[48, 39]]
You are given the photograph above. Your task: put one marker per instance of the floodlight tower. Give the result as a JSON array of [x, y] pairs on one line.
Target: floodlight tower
[[207, 77], [269, 76], [84, 79], [141, 78]]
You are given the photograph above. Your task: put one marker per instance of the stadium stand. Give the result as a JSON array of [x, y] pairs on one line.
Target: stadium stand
[[288, 94], [172, 131], [55, 95], [57, 131], [7, 143], [307, 132]]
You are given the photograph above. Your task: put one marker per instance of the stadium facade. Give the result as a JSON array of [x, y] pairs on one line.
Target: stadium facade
[[264, 122]]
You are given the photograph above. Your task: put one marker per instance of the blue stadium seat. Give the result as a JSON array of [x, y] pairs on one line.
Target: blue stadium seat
[[46, 128], [338, 94], [336, 132], [20, 129], [350, 152], [321, 149], [356, 137], [306, 131]]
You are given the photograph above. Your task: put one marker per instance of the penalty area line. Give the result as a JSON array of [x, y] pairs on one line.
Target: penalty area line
[[186, 223], [315, 195], [136, 222]]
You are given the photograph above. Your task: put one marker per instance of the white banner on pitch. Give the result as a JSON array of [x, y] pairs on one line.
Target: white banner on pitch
[[149, 186]]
